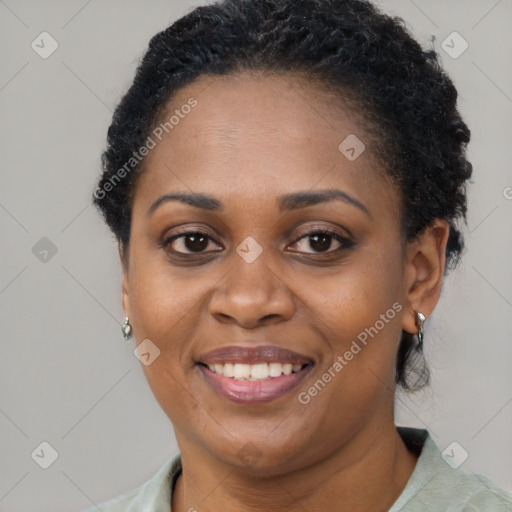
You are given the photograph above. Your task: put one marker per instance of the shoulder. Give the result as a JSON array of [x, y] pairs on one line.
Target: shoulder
[[152, 496], [470, 492], [438, 483], [486, 495]]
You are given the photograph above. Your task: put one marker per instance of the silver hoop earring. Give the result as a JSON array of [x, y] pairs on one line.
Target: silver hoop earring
[[127, 329], [420, 320]]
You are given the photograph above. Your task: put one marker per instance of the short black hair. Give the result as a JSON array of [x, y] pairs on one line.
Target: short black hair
[[408, 102]]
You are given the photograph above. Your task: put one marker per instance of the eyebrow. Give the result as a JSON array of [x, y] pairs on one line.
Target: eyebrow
[[198, 200], [286, 202], [309, 198]]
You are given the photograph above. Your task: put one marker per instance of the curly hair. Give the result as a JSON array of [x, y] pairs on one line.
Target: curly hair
[[369, 58]]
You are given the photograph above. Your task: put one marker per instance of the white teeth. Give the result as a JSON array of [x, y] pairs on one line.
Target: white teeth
[[259, 371], [241, 371], [287, 369], [275, 369], [229, 370]]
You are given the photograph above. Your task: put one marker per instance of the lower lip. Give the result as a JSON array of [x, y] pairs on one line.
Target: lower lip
[[254, 391]]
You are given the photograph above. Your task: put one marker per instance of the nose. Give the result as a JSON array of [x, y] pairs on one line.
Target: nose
[[251, 295]]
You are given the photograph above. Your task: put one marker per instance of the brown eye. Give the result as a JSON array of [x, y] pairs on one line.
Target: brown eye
[[189, 242], [321, 241]]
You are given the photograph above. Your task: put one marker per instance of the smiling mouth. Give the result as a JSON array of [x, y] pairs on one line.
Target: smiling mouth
[[255, 372]]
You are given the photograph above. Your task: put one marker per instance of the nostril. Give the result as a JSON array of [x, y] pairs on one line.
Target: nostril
[[271, 316], [223, 317]]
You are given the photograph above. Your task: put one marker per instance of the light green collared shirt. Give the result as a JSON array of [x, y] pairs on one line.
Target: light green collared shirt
[[434, 486]]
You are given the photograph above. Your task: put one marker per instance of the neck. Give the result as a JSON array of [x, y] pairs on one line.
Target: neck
[[368, 474]]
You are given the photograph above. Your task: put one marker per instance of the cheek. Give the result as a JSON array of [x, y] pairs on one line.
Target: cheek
[[356, 295], [163, 309], [358, 310], [165, 312], [163, 298]]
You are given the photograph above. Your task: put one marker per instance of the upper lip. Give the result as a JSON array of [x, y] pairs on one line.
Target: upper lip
[[253, 355]]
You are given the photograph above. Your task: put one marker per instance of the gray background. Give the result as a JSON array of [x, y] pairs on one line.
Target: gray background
[[68, 377]]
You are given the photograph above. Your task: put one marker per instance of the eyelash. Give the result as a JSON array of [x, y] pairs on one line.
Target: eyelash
[[344, 242], [184, 234]]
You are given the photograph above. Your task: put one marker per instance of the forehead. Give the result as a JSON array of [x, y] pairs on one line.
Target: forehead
[[256, 135]]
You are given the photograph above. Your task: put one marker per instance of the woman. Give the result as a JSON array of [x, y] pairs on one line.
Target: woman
[[285, 179]]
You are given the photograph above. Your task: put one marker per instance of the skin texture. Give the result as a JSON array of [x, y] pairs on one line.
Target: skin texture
[[250, 139]]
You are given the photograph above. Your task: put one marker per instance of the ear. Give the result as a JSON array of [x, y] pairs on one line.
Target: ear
[[424, 272], [125, 302]]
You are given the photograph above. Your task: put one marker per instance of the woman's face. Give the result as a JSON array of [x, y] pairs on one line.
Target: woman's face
[[256, 289]]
